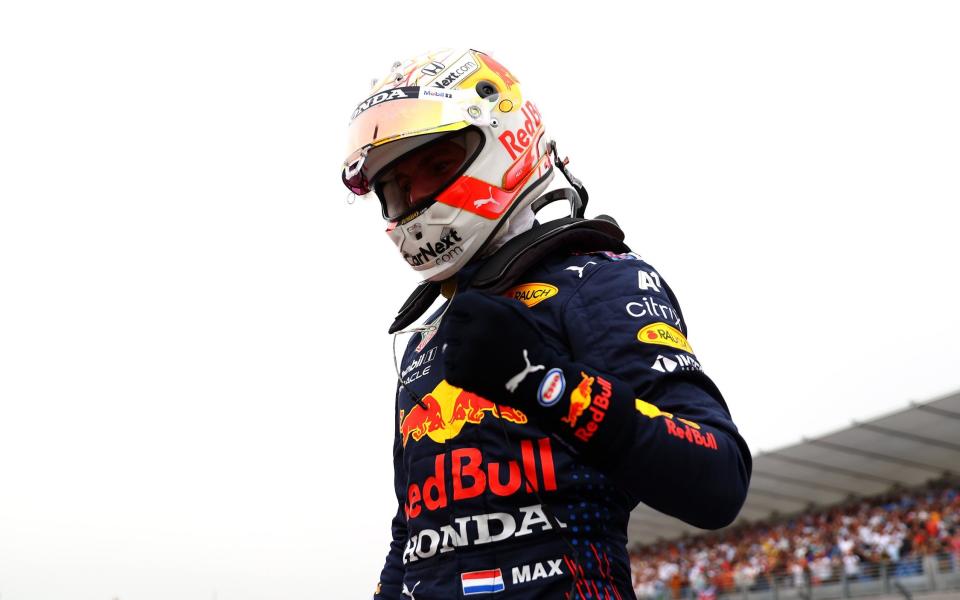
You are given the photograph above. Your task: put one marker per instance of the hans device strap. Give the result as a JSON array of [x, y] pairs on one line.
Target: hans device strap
[[417, 304], [566, 235], [520, 254]]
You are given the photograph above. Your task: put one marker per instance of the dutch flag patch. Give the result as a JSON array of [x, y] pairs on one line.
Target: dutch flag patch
[[482, 582]]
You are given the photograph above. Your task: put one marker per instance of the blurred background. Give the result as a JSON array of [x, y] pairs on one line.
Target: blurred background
[[196, 384]]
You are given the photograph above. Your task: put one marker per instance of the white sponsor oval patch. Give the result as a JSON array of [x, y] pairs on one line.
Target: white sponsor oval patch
[[551, 388]]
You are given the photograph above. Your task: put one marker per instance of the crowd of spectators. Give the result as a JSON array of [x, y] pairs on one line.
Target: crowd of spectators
[[819, 546]]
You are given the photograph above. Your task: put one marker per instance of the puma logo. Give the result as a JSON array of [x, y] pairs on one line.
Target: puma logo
[[409, 592], [579, 270], [482, 201], [516, 379]]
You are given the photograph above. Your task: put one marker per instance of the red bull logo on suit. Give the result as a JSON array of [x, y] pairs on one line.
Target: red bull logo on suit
[[687, 430], [466, 473], [582, 398], [579, 399]]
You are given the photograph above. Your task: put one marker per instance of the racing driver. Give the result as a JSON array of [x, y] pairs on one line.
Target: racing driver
[[554, 387]]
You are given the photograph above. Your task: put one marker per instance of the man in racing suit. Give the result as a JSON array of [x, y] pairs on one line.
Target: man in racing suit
[[531, 421]]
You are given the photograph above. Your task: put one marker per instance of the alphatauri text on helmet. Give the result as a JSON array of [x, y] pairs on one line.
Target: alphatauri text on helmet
[[385, 96], [443, 251], [516, 142]]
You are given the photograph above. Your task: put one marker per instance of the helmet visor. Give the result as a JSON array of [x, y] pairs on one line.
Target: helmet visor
[[414, 179], [400, 113], [397, 112]]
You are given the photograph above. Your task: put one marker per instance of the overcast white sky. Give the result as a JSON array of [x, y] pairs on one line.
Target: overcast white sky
[[195, 377]]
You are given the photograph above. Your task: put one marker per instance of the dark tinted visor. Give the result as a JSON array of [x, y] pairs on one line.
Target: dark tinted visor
[[413, 180]]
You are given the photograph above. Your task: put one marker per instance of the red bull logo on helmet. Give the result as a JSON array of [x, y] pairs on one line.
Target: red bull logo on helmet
[[448, 409], [516, 142]]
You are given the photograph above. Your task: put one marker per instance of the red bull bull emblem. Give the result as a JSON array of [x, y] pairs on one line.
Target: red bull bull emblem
[[579, 400], [583, 398], [447, 409]]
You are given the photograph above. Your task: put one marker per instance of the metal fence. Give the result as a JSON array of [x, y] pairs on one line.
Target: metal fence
[[913, 574], [835, 580]]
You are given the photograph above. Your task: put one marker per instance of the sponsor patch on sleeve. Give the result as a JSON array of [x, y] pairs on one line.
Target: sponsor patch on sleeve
[[664, 335], [532, 294], [552, 387], [679, 427]]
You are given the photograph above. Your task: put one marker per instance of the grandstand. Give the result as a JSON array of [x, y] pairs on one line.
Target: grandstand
[[867, 511]]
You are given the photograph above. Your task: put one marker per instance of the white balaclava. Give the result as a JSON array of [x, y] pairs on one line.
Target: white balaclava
[[520, 222]]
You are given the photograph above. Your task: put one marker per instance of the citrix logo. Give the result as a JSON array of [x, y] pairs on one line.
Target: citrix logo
[[649, 307], [443, 251]]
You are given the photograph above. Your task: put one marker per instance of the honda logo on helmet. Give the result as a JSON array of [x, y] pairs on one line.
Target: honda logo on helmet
[[433, 68], [380, 97]]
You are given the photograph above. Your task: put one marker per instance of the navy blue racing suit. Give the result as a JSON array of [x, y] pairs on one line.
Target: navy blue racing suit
[[490, 502]]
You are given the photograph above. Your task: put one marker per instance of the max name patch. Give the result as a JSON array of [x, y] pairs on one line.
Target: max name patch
[[532, 294], [664, 335]]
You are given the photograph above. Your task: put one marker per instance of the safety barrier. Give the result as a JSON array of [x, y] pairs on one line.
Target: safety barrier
[[832, 579]]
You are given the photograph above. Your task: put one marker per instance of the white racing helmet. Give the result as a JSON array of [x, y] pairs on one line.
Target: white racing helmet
[[453, 151]]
